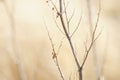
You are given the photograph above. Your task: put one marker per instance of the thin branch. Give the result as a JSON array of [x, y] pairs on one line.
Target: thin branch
[[97, 36], [71, 16], [59, 69], [87, 52], [58, 27], [54, 6], [77, 26], [69, 20], [96, 62], [91, 44], [90, 23], [89, 16], [60, 46], [56, 17], [98, 17], [65, 5], [93, 37], [54, 55], [66, 16]]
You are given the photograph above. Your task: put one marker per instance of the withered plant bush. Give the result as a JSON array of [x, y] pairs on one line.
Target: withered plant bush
[[64, 25]]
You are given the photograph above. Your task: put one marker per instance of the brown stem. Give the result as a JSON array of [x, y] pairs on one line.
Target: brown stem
[[69, 40], [55, 58]]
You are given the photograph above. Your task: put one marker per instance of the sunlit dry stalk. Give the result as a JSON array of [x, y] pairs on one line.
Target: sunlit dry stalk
[[15, 41], [55, 54]]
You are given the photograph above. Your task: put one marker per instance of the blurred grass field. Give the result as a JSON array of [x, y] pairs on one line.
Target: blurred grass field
[[35, 49]]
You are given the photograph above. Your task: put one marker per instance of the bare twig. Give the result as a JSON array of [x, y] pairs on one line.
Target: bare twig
[[58, 27], [88, 50], [54, 6], [54, 54], [95, 55], [65, 5], [56, 16], [71, 16], [77, 26], [89, 16], [93, 34], [66, 16], [60, 46], [93, 40]]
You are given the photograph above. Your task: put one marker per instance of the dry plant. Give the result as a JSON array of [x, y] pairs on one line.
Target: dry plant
[[97, 69], [54, 54], [14, 42], [61, 13]]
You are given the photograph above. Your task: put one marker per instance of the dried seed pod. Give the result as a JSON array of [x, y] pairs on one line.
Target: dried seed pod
[[53, 8], [47, 1], [54, 55]]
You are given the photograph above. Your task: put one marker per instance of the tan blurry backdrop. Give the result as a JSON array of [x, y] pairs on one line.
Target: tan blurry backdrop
[[34, 45]]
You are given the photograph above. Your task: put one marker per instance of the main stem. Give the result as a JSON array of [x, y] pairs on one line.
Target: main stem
[[69, 40]]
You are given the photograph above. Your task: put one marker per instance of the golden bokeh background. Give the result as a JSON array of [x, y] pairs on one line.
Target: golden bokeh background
[[34, 47]]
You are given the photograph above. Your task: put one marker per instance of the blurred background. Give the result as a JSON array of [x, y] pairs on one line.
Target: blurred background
[[22, 27]]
